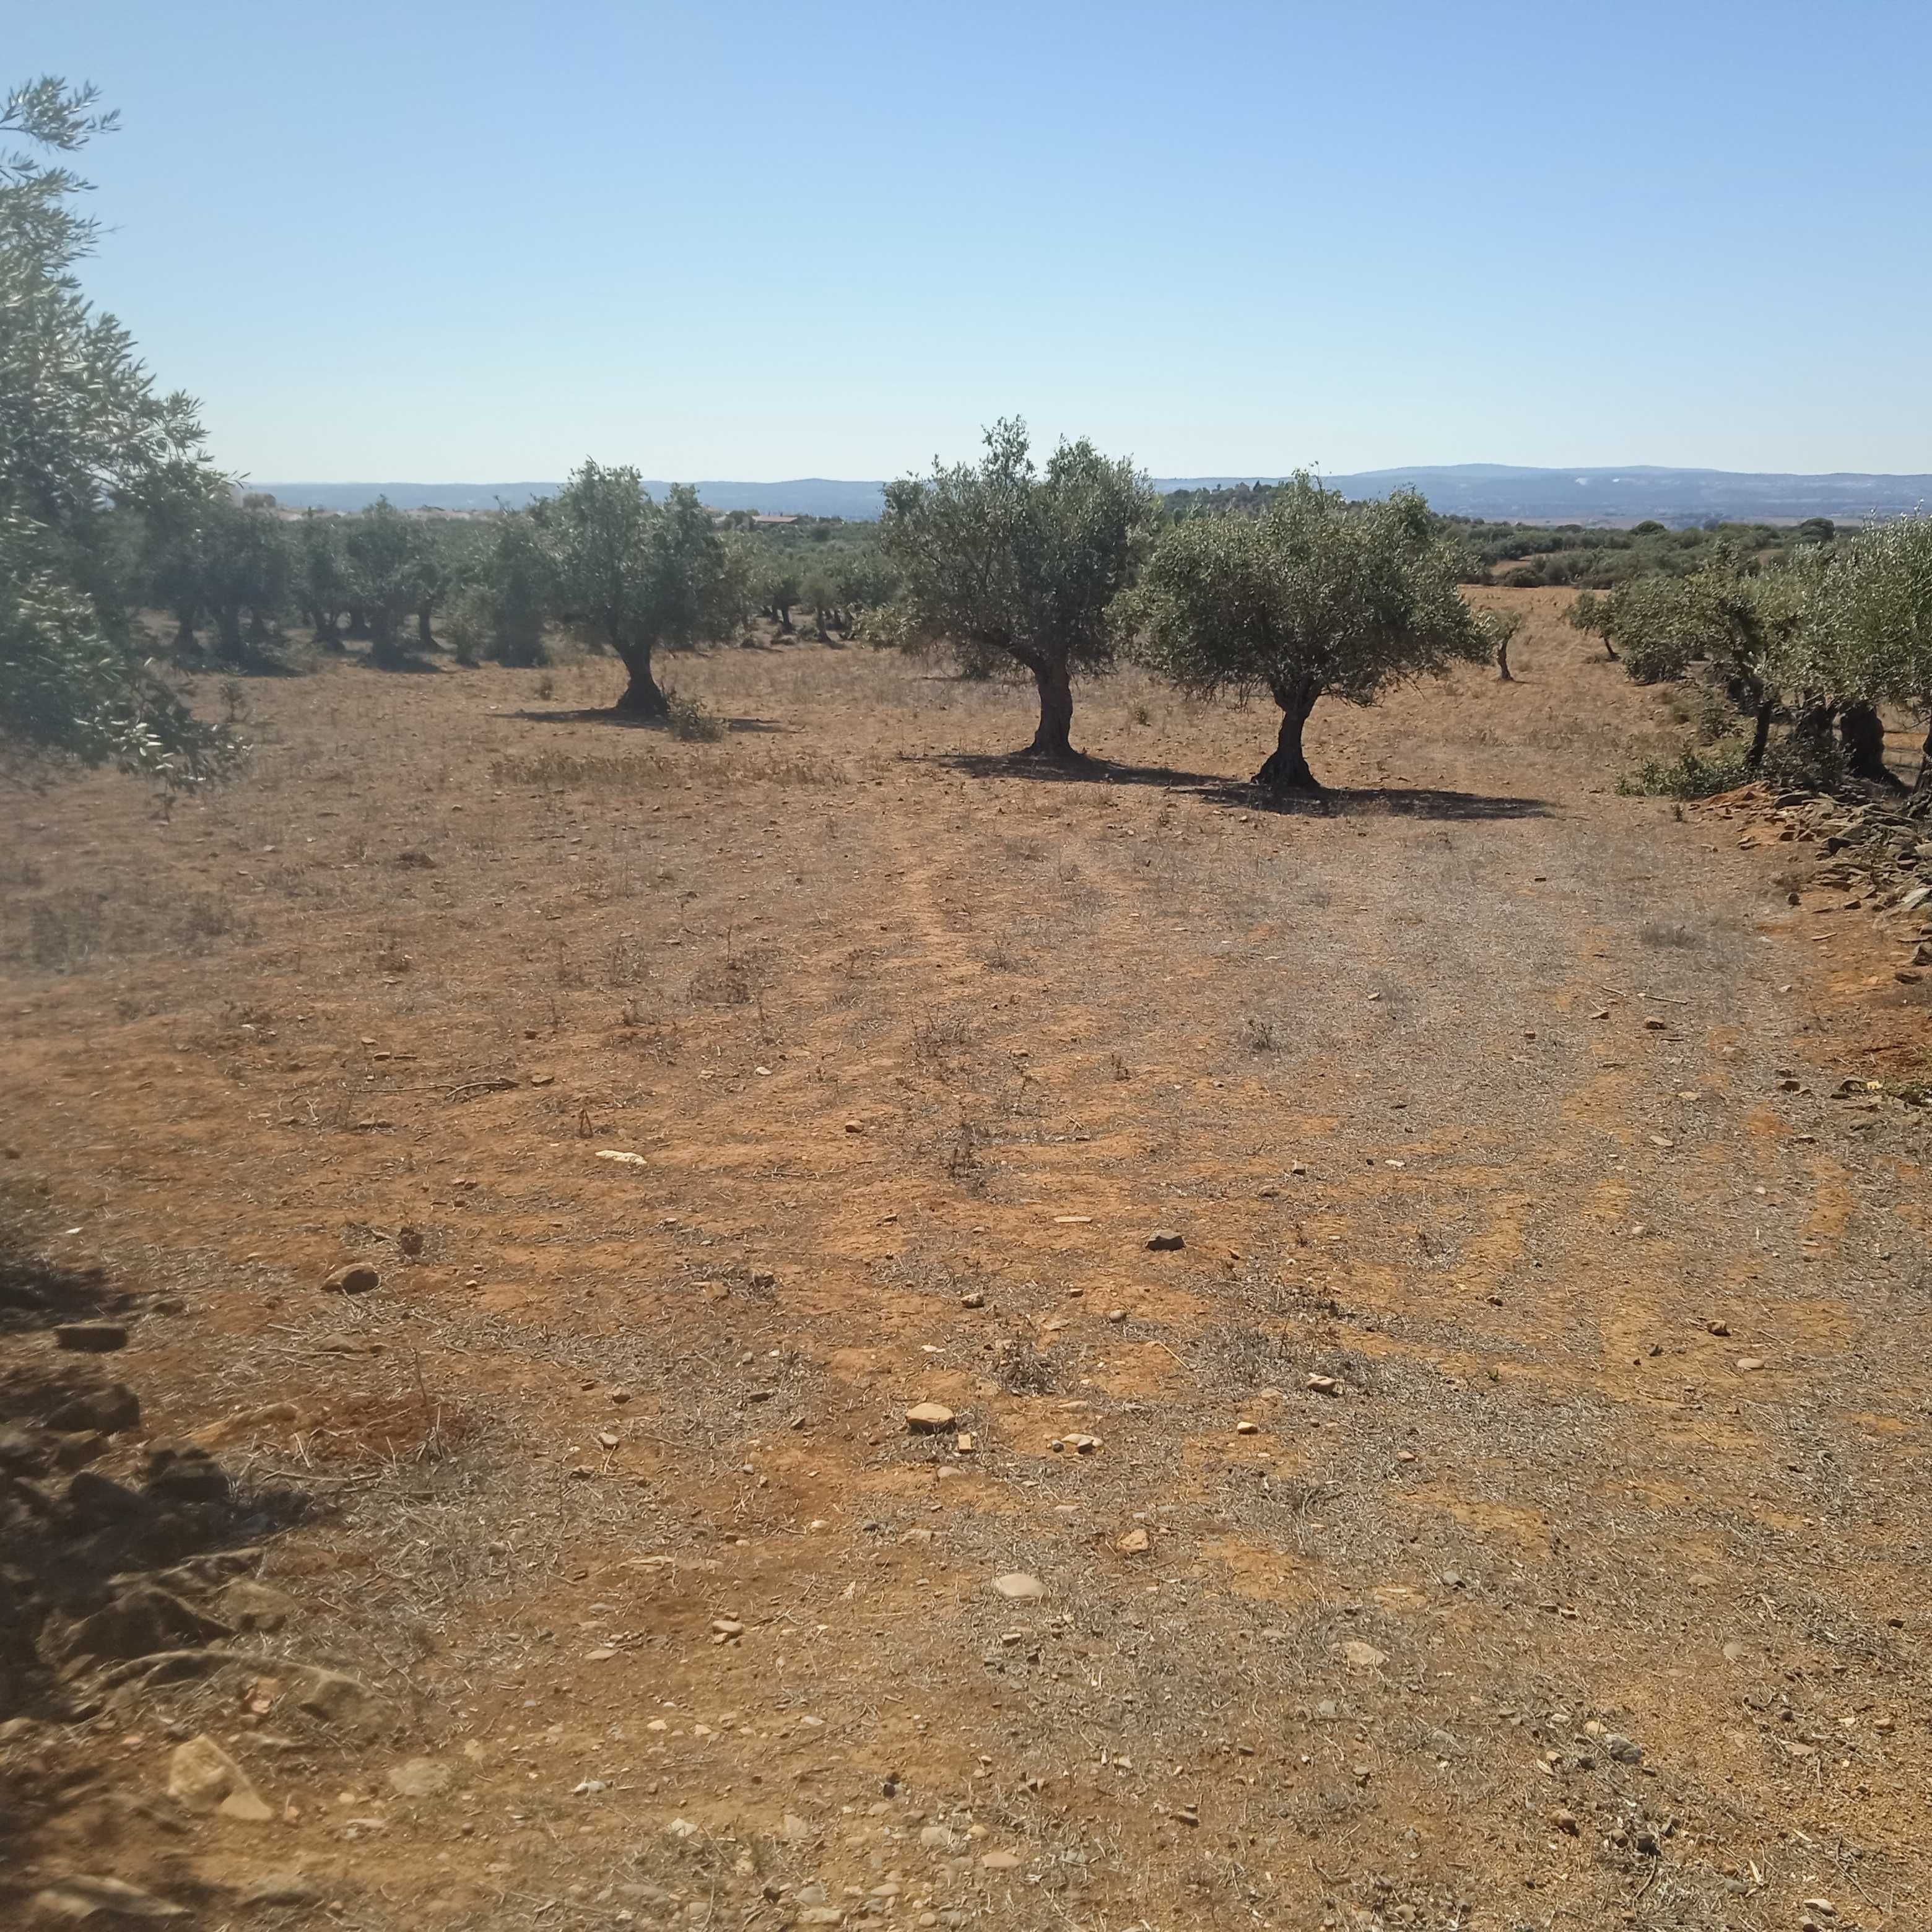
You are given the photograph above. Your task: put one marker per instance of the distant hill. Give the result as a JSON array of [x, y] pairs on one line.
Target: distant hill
[[804, 496], [1499, 491]]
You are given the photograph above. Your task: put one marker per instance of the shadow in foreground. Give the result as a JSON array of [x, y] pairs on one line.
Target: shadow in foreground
[[1402, 801], [629, 721]]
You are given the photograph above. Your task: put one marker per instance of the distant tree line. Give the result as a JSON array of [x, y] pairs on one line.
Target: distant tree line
[[112, 517]]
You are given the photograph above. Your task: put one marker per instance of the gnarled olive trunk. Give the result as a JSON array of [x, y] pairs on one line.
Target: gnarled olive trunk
[[1287, 768], [228, 644], [642, 697], [1760, 733], [1053, 739], [1861, 738], [1921, 786], [425, 637], [384, 650]]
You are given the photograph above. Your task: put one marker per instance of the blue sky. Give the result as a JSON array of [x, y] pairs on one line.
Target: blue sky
[[477, 241]]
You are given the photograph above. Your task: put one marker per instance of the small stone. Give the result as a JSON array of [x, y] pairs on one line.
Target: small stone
[[793, 1829], [1564, 1821], [1000, 1861], [204, 1778], [1718, 1327], [279, 1888], [928, 1418], [1165, 1241], [964, 1444], [622, 1156], [250, 1606], [1134, 1543], [1749, 1363], [1018, 1587], [1622, 1748], [1117, 1315], [356, 1278], [1247, 1428], [974, 1300], [90, 1338], [419, 1778], [333, 1697], [1363, 1656], [1324, 1385], [620, 1396], [1654, 1025]]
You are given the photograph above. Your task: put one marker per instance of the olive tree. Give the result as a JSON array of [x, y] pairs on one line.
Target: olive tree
[[385, 555], [1765, 633], [1314, 598], [643, 576], [1882, 615], [82, 430], [1000, 561]]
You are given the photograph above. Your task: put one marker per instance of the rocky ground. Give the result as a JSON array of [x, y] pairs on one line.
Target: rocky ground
[[598, 1331]]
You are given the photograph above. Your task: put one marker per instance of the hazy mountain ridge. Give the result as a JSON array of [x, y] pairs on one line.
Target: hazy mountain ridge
[[1496, 491]]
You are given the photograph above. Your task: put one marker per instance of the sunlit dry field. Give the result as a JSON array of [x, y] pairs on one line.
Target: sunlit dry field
[[1506, 1506]]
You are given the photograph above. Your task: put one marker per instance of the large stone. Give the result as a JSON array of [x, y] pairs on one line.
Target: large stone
[[79, 1900], [184, 1475], [1018, 1587], [354, 1278], [928, 1418], [1165, 1241], [109, 1409], [141, 1622], [90, 1338], [99, 1502], [1363, 1656]]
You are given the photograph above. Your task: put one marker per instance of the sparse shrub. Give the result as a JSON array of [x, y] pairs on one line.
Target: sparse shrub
[[546, 686], [1258, 1035], [691, 721], [1022, 1369], [1668, 933], [1691, 774]]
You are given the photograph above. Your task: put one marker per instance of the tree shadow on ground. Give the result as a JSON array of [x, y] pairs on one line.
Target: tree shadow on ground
[[1404, 801], [628, 721], [404, 663]]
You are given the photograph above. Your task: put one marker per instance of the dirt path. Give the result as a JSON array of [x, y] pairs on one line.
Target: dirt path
[[1527, 1444]]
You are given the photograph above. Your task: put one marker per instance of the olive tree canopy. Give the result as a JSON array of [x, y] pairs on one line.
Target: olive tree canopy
[[997, 560], [82, 429]]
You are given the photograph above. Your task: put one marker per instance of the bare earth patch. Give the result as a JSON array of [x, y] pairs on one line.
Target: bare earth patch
[[1507, 1508]]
